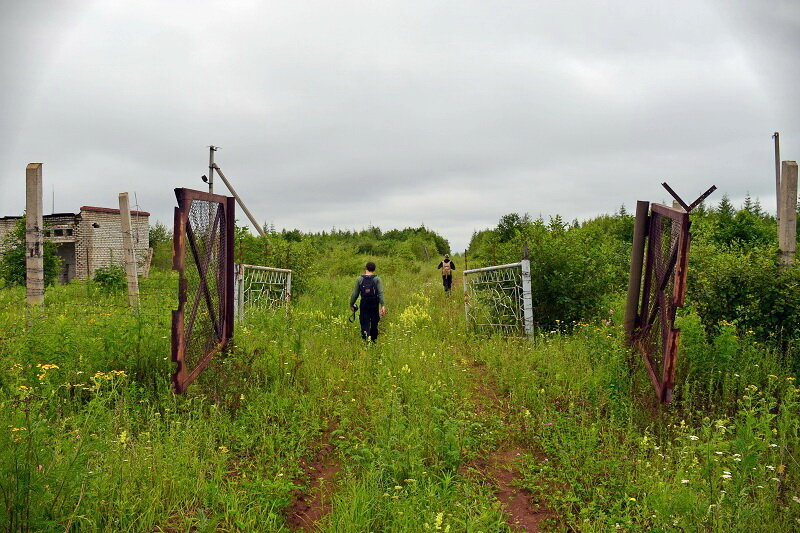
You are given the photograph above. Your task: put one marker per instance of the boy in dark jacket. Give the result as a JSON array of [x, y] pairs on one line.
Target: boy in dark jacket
[[373, 307], [447, 268]]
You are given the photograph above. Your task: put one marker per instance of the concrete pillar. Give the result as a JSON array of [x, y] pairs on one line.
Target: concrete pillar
[[128, 254], [787, 223], [34, 246], [527, 295]]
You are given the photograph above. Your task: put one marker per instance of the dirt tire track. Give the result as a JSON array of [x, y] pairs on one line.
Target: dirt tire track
[[311, 505], [501, 468]]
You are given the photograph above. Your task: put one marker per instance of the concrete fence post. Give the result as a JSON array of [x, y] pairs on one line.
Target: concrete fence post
[[129, 255], [527, 295], [34, 246], [288, 288], [147, 263], [787, 223]]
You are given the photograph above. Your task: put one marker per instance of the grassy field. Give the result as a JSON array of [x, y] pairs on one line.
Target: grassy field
[[430, 429]]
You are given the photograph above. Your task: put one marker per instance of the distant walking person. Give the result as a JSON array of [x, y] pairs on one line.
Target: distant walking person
[[373, 307], [447, 268]]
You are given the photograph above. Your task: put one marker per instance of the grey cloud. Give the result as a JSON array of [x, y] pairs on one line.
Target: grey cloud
[[452, 113]]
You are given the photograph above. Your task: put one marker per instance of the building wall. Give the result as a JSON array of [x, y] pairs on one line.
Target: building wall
[[62, 229], [93, 247], [102, 246], [6, 226]]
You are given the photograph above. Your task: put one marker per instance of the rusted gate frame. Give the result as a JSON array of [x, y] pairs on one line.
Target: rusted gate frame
[[656, 303], [222, 318]]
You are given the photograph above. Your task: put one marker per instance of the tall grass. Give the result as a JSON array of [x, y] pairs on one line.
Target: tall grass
[[91, 438]]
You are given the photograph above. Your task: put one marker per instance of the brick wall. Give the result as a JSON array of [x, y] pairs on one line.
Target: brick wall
[[94, 246], [102, 246]]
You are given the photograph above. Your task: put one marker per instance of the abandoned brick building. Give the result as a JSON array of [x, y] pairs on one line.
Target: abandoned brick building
[[90, 239]]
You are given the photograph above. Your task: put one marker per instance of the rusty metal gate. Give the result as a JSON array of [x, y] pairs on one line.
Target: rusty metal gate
[[650, 320], [203, 256]]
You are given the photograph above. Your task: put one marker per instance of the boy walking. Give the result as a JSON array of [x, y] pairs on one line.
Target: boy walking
[[447, 268], [373, 307]]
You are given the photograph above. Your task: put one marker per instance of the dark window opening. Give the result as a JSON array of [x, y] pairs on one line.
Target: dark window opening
[[59, 232], [69, 232], [47, 233]]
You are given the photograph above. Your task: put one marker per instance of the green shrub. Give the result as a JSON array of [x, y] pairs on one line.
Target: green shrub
[[161, 243], [746, 288], [12, 262], [111, 278], [572, 269]]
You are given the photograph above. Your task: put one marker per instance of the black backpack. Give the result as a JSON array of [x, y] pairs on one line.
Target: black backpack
[[369, 290]]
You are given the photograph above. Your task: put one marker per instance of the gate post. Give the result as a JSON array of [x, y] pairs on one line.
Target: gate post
[[238, 288], [466, 298], [228, 278], [787, 229], [527, 296], [288, 288], [637, 257]]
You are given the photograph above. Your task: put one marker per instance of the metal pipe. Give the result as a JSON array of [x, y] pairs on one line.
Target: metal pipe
[[227, 183], [211, 150], [637, 258], [488, 269], [267, 269]]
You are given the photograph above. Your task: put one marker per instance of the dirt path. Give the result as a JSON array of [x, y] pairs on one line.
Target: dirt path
[[501, 468], [311, 505]]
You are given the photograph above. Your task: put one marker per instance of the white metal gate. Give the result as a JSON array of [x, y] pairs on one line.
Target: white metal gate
[[498, 298], [259, 287]]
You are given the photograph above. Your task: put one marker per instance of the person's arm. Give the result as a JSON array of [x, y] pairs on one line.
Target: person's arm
[[379, 288], [452, 265], [441, 264], [354, 296]]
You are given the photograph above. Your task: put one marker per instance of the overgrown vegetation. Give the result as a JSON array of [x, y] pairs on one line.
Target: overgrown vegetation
[[12, 260], [93, 438], [110, 278]]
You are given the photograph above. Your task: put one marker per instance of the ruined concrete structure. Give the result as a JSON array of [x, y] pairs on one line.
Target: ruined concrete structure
[[90, 239]]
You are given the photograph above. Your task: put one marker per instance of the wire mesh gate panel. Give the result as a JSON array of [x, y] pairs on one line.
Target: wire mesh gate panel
[[259, 287], [497, 298], [203, 256], [663, 293]]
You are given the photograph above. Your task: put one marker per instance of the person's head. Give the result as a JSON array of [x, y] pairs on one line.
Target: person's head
[[370, 267], [447, 256]]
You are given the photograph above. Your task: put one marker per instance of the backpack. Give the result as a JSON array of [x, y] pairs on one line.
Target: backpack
[[446, 271], [369, 290]]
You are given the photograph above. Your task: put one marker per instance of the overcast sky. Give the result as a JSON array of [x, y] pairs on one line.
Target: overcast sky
[[449, 114]]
